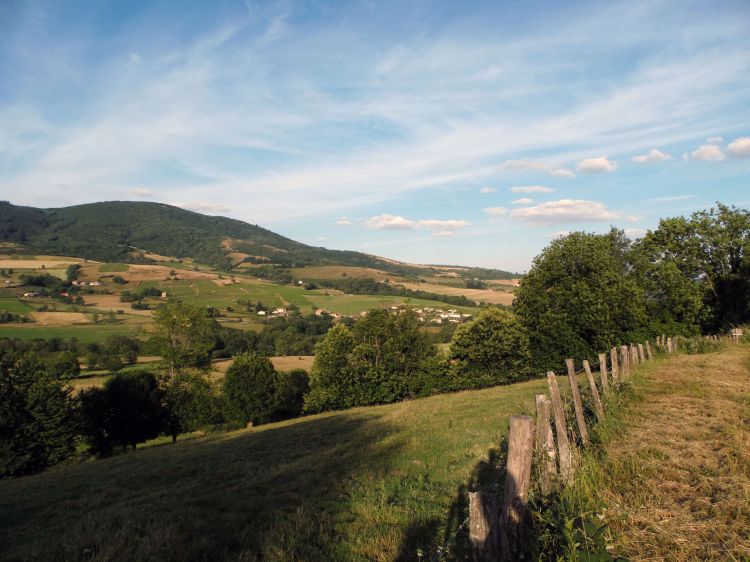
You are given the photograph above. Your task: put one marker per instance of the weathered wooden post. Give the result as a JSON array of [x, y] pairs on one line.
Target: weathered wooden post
[[641, 353], [483, 527], [545, 442], [594, 391], [577, 405], [633, 356], [669, 345], [649, 352], [561, 429], [603, 373], [624, 361], [515, 513], [615, 366]]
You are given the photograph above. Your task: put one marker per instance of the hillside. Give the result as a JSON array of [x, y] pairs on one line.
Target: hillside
[[116, 230], [388, 482]]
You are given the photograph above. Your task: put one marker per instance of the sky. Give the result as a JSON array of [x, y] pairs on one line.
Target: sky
[[468, 133]]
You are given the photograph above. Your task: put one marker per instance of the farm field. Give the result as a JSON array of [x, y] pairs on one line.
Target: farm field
[[84, 333], [112, 267], [12, 304], [335, 272], [281, 363], [482, 295]]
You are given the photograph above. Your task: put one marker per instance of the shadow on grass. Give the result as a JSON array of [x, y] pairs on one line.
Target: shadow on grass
[[449, 539], [275, 494]]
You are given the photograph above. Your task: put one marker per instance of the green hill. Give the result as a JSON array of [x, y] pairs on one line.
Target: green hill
[[115, 231], [374, 483]]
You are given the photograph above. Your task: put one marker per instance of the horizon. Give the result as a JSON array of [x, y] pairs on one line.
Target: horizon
[[428, 134]]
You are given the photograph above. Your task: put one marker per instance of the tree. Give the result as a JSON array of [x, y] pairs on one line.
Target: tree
[[128, 410], [38, 418], [580, 298], [185, 335], [249, 389], [290, 389], [711, 252], [492, 349], [374, 362], [332, 384], [190, 402]]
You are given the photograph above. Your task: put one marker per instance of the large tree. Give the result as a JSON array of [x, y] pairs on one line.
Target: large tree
[[580, 298], [38, 417], [711, 252], [185, 335], [250, 389]]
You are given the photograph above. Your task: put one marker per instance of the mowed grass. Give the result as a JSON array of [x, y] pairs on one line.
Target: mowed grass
[[676, 482], [112, 267], [375, 483], [84, 333]]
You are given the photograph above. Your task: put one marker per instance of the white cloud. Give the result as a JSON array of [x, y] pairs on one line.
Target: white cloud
[[562, 173], [445, 233], [670, 198], [141, 192], [598, 165], [522, 201], [443, 224], [343, 221], [395, 222], [708, 152], [739, 148], [486, 190], [389, 222], [530, 189], [567, 210], [715, 140], [204, 207], [495, 211], [525, 164], [654, 155]]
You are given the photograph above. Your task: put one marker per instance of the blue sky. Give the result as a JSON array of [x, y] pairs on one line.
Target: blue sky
[[434, 132]]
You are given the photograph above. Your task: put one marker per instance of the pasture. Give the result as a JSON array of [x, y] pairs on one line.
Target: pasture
[[86, 333], [112, 267], [481, 295], [335, 272]]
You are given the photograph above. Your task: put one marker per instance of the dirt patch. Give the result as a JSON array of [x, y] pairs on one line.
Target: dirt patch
[[285, 363], [679, 479], [60, 318]]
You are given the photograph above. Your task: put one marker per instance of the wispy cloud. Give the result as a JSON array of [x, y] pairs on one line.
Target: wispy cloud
[[669, 198], [396, 222], [522, 201], [739, 148], [530, 189], [486, 190], [496, 211], [708, 152]]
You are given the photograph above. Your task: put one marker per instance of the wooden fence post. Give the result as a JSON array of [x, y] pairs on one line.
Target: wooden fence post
[[615, 366], [641, 353], [594, 391], [625, 362], [669, 345], [577, 405], [483, 527], [603, 373], [633, 356], [649, 352], [561, 429], [517, 483], [546, 442]]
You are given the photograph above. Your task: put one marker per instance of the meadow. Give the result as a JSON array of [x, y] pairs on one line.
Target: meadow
[[83, 333]]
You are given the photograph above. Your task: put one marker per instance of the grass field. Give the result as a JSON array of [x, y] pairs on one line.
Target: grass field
[[334, 272], [366, 484], [85, 333], [12, 304], [112, 267]]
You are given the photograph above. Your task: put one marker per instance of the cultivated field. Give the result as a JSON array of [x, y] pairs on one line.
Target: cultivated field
[[481, 295], [85, 333], [336, 272], [60, 318]]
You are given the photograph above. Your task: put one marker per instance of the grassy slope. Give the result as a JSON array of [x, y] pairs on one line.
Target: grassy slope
[[678, 481], [366, 484]]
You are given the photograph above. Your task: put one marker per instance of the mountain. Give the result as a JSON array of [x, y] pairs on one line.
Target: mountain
[[123, 230]]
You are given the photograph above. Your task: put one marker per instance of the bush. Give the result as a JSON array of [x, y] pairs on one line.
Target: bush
[[290, 390]]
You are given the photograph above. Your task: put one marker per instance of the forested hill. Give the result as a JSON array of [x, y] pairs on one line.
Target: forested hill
[[116, 230]]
